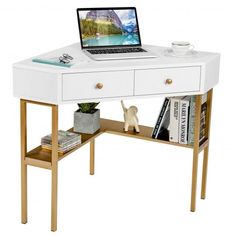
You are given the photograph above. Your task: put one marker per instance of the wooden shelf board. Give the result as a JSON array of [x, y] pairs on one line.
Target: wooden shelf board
[[86, 138], [43, 156], [38, 163], [39, 154], [116, 127]]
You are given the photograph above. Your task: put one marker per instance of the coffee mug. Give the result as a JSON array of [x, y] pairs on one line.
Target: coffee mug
[[181, 47]]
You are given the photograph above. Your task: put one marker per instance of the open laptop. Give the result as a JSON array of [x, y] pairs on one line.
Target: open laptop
[[111, 33]]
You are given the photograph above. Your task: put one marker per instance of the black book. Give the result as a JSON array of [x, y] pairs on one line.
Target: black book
[[161, 118]]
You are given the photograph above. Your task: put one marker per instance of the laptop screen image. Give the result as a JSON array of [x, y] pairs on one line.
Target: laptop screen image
[[108, 27]]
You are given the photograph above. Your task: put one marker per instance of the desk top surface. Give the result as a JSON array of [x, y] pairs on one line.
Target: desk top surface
[[82, 63]]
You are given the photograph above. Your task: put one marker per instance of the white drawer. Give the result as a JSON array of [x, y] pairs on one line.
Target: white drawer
[[168, 80], [86, 85]]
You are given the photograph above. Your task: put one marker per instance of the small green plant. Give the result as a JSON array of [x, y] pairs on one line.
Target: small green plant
[[87, 107]]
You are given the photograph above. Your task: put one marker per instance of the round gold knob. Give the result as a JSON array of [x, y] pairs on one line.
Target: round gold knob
[[169, 81], [99, 85]]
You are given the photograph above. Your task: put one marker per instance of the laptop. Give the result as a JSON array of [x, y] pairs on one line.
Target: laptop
[[111, 33]]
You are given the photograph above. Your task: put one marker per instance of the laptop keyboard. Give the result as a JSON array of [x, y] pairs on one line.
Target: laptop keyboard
[[115, 50]]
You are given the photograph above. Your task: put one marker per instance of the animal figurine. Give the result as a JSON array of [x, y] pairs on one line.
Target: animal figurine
[[130, 117]]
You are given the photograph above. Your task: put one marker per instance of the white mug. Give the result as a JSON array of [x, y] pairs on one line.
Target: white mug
[[181, 47]]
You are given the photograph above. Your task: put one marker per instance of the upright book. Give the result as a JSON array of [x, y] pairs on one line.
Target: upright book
[[191, 120], [174, 119], [161, 118], [163, 133], [183, 120], [192, 111]]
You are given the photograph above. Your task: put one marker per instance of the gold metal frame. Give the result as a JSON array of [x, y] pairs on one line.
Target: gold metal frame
[[49, 159]]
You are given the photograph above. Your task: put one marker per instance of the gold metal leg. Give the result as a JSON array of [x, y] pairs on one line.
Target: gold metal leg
[[195, 152], [54, 167], [23, 116], [92, 152], [204, 172], [206, 150]]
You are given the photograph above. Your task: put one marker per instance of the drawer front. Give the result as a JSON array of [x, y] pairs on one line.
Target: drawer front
[[97, 85], [168, 80]]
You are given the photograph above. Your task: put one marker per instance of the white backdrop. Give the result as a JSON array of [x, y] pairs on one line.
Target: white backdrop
[[139, 188]]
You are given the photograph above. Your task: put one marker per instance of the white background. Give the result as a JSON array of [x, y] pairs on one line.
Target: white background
[[140, 188]]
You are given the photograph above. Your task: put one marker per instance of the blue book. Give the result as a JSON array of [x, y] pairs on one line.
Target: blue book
[[52, 61]]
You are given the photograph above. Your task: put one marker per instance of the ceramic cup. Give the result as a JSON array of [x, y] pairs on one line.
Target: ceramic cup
[[181, 47]]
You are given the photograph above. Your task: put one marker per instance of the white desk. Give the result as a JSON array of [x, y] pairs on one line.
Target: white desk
[[52, 85], [121, 79]]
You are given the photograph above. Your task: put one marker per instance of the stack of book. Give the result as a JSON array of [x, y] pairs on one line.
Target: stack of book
[[66, 141], [176, 120]]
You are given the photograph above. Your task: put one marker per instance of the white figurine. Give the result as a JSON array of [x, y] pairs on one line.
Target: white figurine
[[130, 117]]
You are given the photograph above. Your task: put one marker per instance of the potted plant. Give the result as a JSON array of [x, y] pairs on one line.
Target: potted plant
[[87, 118]]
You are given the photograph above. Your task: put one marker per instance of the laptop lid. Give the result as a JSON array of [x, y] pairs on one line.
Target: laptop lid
[[108, 27]]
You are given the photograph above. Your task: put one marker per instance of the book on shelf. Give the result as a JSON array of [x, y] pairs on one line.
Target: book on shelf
[[202, 119], [164, 130], [51, 61], [163, 119], [64, 137], [61, 150], [191, 120], [183, 119], [176, 120], [66, 141]]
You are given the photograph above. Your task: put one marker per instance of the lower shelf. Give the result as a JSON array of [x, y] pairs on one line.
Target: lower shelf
[[116, 127], [42, 158]]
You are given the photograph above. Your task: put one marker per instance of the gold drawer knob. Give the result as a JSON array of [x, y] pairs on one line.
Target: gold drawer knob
[[99, 85], [169, 81]]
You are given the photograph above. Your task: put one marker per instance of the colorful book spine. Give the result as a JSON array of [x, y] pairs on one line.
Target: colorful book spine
[[160, 119], [183, 121]]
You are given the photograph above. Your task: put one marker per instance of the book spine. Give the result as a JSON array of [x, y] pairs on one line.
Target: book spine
[[203, 122], [60, 143], [174, 120], [183, 122], [160, 118], [192, 111], [61, 150], [163, 117], [192, 117]]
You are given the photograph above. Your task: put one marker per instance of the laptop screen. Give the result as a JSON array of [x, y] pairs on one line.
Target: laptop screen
[[108, 27]]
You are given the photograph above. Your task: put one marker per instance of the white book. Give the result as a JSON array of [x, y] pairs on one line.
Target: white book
[[183, 120], [174, 119]]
